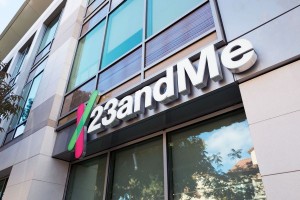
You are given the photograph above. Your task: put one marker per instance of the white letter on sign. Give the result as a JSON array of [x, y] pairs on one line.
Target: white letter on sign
[[125, 111], [208, 58], [238, 56], [170, 93], [111, 120]]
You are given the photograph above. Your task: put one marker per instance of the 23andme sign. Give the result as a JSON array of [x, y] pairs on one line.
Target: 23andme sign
[[238, 56]]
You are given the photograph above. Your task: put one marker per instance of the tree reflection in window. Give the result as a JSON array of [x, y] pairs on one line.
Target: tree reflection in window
[[138, 172], [215, 160]]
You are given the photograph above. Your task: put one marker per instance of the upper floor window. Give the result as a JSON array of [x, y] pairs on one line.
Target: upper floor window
[[50, 33], [18, 122], [124, 30], [162, 13], [19, 65], [3, 183], [47, 40], [121, 40], [87, 56]]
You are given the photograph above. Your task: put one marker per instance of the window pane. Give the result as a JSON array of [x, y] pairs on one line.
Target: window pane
[[87, 56], [19, 130], [94, 20], [43, 52], [2, 187], [19, 64], [50, 33], [124, 31], [138, 172], [9, 137], [87, 180], [93, 6], [37, 70], [162, 13], [16, 117], [30, 98], [79, 96], [119, 72], [221, 161]]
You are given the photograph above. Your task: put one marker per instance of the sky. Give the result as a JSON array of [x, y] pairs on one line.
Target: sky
[[8, 9], [235, 136]]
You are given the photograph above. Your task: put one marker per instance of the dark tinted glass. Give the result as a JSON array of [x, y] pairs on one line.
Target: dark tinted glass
[[50, 33], [87, 180], [93, 6], [138, 172], [79, 96], [215, 160]]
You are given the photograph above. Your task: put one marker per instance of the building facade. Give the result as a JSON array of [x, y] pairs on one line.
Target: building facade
[[153, 99]]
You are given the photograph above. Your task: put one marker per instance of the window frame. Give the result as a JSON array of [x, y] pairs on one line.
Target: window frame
[[142, 44], [4, 186]]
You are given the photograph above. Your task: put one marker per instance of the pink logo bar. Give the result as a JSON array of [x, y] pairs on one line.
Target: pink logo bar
[[79, 146]]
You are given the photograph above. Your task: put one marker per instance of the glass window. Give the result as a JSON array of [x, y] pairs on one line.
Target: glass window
[[16, 117], [124, 31], [162, 13], [19, 64], [138, 172], [115, 3], [49, 34], [30, 98], [79, 96], [43, 53], [87, 58], [93, 6], [120, 71], [19, 130], [221, 161], [2, 187], [101, 14], [87, 180], [37, 70]]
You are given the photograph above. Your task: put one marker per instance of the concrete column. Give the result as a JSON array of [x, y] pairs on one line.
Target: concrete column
[[272, 105], [35, 175]]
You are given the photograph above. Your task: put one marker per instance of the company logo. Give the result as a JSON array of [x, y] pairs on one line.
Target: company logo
[[238, 56], [78, 139]]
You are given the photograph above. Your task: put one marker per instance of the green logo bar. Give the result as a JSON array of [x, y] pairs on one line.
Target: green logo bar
[[83, 119]]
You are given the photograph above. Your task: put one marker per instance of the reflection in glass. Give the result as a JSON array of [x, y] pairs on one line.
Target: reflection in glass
[[94, 20], [15, 118], [87, 180], [81, 95], [49, 34], [86, 63], [37, 70], [30, 98], [124, 30], [162, 13], [19, 130], [221, 161], [41, 55], [120, 71], [9, 136], [138, 172], [20, 62], [95, 4], [2, 187]]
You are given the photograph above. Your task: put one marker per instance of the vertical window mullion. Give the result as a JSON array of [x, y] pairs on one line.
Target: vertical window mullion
[[165, 156]]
